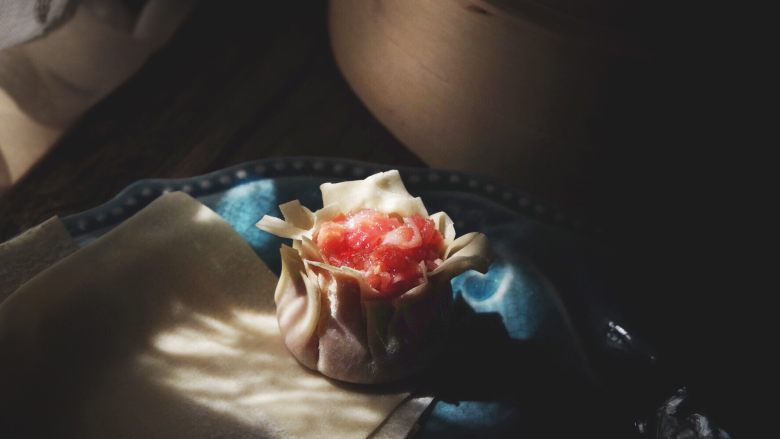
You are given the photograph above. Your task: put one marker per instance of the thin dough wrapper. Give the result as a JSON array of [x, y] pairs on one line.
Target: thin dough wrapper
[[298, 305], [384, 192], [333, 321]]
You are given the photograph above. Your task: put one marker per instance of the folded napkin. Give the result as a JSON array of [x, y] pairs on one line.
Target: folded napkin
[[54, 79], [58, 58], [165, 327], [22, 20]]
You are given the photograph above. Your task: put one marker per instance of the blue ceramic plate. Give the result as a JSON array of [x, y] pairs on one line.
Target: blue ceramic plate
[[528, 330]]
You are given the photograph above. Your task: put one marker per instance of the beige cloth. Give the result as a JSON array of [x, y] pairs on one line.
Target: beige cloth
[[49, 82], [56, 78], [31, 252], [165, 327], [22, 20]]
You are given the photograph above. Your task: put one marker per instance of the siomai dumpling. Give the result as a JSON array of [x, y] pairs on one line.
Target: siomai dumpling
[[364, 294]]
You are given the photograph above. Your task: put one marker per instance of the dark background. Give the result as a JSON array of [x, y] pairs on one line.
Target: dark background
[[249, 80]]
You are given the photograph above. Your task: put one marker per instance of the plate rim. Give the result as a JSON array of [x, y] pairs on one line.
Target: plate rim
[[141, 192]]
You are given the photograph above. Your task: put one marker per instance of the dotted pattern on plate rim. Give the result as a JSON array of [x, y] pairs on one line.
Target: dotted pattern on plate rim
[[119, 209]]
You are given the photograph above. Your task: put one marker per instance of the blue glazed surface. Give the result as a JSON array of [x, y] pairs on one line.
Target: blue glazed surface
[[543, 269]]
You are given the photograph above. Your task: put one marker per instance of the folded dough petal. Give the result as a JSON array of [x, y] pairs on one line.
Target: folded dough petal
[[298, 305], [308, 249], [445, 226], [297, 215], [469, 252], [384, 192], [280, 227]]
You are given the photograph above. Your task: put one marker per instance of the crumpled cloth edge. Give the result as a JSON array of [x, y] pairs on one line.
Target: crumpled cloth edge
[[28, 254]]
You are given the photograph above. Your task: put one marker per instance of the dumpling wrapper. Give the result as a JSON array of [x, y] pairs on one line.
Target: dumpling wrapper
[[333, 321], [29, 253], [164, 327]]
